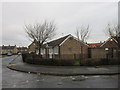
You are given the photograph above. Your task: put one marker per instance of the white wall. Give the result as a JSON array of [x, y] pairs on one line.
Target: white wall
[[53, 50], [42, 51]]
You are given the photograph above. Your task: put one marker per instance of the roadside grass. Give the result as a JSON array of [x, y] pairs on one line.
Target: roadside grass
[[76, 63], [2, 56]]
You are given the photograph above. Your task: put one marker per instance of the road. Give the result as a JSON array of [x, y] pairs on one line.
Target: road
[[15, 79]]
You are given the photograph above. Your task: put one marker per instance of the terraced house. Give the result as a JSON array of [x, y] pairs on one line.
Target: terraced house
[[22, 49], [12, 49], [8, 49]]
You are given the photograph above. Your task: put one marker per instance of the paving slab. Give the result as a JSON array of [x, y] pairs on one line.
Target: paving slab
[[63, 70]]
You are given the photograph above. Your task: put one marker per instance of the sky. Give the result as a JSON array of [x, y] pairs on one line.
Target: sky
[[66, 15]]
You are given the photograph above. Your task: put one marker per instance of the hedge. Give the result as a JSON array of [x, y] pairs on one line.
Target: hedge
[[38, 60]]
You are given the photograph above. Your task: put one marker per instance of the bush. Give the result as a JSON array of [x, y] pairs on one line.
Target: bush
[[37, 59], [114, 62], [104, 61], [76, 63], [24, 56], [88, 62], [109, 61], [41, 61]]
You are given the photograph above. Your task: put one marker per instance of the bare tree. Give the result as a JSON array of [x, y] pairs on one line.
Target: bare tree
[[82, 33], [113, 30], [40, 33]]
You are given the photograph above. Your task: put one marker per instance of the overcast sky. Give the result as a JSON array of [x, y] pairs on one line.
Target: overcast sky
[[67, 16]]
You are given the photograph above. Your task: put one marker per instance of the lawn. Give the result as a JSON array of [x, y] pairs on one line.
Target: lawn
[[2, 56]]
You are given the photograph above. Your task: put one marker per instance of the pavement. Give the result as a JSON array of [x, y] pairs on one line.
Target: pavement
[[18, 65]]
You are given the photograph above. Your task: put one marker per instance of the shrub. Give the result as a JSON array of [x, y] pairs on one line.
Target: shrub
[[88, 62], [41, 61], [104, 61], [114, 62], [37, 59], [76, 63]]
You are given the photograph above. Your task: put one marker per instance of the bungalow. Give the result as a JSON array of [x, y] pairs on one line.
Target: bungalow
[[108, 49], [67, 47], [112, 46]]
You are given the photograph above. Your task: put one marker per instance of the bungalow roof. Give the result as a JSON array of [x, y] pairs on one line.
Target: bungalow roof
[[116, 39], [61, 40], [57, 41]]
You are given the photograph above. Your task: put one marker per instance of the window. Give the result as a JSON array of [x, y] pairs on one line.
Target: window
[[50, 50], [106, 49], [55, 50]]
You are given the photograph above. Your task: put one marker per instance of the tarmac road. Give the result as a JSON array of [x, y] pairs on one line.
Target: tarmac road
[[15, 79]]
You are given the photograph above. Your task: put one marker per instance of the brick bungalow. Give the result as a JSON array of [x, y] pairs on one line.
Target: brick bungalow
[[67, 47], [109, 49], [112, 47]]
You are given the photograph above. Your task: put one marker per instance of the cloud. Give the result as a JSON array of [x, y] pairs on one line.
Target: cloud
[[67, 16]]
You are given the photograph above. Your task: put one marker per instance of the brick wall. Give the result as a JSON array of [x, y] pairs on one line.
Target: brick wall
[[98, 53], [73, 46], [31, 48]]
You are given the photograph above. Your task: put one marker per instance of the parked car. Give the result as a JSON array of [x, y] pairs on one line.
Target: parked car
[[9, 54], [19, 53]]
